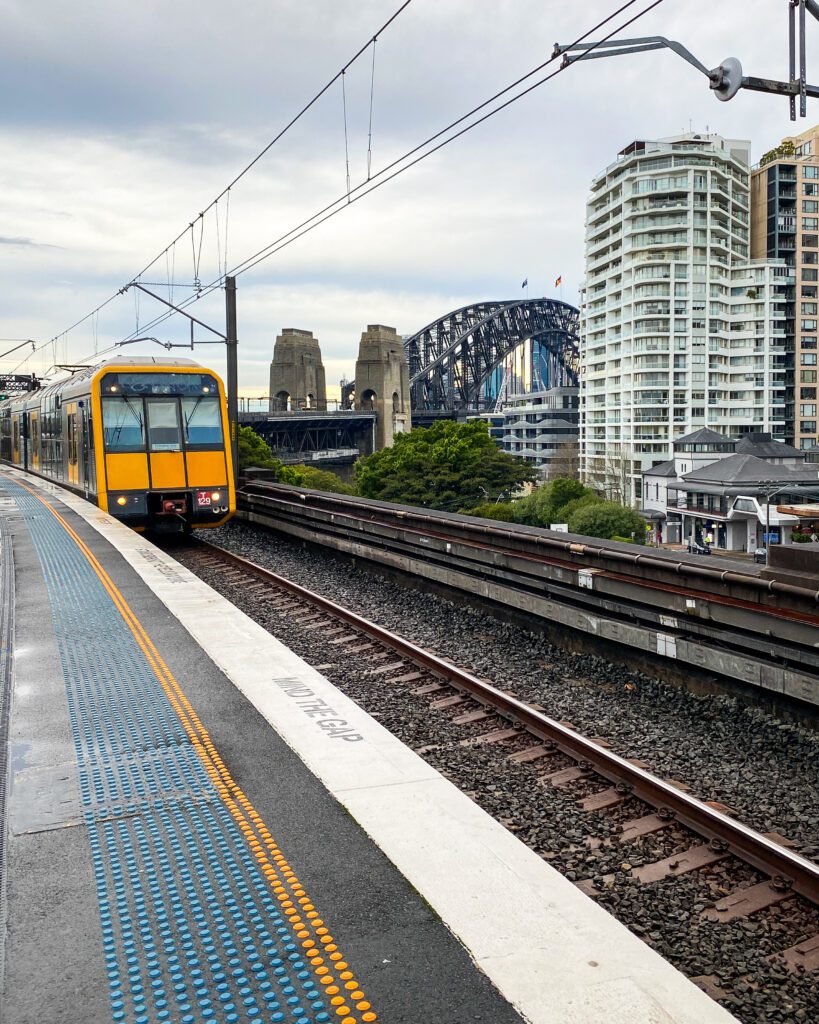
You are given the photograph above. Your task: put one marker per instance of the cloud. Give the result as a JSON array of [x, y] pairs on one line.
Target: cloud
[[133, 118]]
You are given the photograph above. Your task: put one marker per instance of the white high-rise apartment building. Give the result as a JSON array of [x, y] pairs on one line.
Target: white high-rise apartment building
[[678, 329]]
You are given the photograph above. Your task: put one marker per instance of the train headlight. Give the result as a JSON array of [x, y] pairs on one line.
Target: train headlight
[[122, 500], [215, 496]]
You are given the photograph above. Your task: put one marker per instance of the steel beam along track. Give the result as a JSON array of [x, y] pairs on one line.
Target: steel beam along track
[[724, 622]]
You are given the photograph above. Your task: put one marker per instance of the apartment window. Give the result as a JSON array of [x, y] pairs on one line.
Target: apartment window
[[808, 359], [810, 275], [809, 309], [810, 241], [811, 188], [807, 409], [808, 325], [810, 257], [809, 292], [697, 411], [811, 171], [810, 206], [808, 342], [808, 426], [807, 376], [810, 224], [806, 393]]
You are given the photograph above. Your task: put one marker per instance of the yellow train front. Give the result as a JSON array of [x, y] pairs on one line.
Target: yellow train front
[[146, 439]]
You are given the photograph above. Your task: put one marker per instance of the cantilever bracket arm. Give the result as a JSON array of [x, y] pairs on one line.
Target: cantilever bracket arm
[[176, 309], [727, 79], [617, 47]]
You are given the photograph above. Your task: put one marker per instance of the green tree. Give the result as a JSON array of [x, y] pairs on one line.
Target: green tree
[[314, 478], [446, 466], [255, 451], [549, 503], [500, 510], [607, 519]]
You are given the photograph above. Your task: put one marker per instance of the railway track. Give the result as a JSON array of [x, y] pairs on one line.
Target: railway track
[[748, 631], [677, 834]]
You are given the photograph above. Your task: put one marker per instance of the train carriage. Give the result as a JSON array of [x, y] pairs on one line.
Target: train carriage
[[146, 439]]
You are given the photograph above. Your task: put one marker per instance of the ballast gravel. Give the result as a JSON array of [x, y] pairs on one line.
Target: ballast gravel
[[765, 770]]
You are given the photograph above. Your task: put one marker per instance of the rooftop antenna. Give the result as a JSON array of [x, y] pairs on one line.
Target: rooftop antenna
[[727, 78]]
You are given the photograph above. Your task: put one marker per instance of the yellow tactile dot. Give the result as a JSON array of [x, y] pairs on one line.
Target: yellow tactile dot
[[342, 1011], [368, 1017], [362, 1006], [336, 1000], [320, 931], [357, 995], [333, 990], [349, 1020], [328, 980], [337, 956], [350, 984], [346, 975], [331, 946]]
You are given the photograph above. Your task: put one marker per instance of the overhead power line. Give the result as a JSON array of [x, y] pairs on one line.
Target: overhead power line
[[397, 167], [404, 162], [266, 149]]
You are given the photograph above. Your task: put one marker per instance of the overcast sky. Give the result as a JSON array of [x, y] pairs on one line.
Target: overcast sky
[[120, 122]]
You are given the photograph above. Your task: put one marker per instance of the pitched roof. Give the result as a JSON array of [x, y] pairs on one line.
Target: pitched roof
[[764, 447], [662, 469], [706, 436], [748, 469]]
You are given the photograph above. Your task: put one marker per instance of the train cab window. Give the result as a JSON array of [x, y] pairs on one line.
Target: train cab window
[[202, 421], [163, 425], [122, 425]]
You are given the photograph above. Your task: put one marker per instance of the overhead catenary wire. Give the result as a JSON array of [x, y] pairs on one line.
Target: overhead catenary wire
[[225, 192], [404, 162], [399, 166]]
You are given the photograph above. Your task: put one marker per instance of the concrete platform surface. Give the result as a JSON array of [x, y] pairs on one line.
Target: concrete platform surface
[[194, 811]]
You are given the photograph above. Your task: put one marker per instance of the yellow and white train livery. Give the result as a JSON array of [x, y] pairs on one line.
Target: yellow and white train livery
[[146, 439]]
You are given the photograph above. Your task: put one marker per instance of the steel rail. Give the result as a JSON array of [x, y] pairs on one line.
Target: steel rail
[[784, 866], [572, 547]]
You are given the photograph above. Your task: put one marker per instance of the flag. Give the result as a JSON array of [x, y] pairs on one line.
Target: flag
[[525, 283], [557, 282]]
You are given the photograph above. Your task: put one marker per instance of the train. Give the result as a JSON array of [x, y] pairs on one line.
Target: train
[[146, 439]]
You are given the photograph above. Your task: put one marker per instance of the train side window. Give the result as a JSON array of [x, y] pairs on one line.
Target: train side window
[[123, 428], [163, 425], [202, 421]]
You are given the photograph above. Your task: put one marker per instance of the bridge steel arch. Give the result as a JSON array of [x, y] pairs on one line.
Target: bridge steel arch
[[451, 360]]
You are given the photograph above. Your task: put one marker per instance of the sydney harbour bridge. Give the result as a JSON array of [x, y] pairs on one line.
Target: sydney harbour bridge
[[462, 362], [457, 361]]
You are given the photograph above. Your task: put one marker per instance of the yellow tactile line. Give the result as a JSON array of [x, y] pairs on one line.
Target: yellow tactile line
[[340, 990]]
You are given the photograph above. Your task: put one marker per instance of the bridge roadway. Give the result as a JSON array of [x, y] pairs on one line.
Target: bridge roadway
[[681, 612], [201, 828]]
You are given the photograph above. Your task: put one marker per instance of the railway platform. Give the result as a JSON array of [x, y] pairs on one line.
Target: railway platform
[[198, 827]]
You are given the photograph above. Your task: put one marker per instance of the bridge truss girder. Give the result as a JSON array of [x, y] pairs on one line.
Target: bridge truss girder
[[451, 360]]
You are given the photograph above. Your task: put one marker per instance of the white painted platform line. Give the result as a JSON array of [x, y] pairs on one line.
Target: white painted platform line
[[552, 952]]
